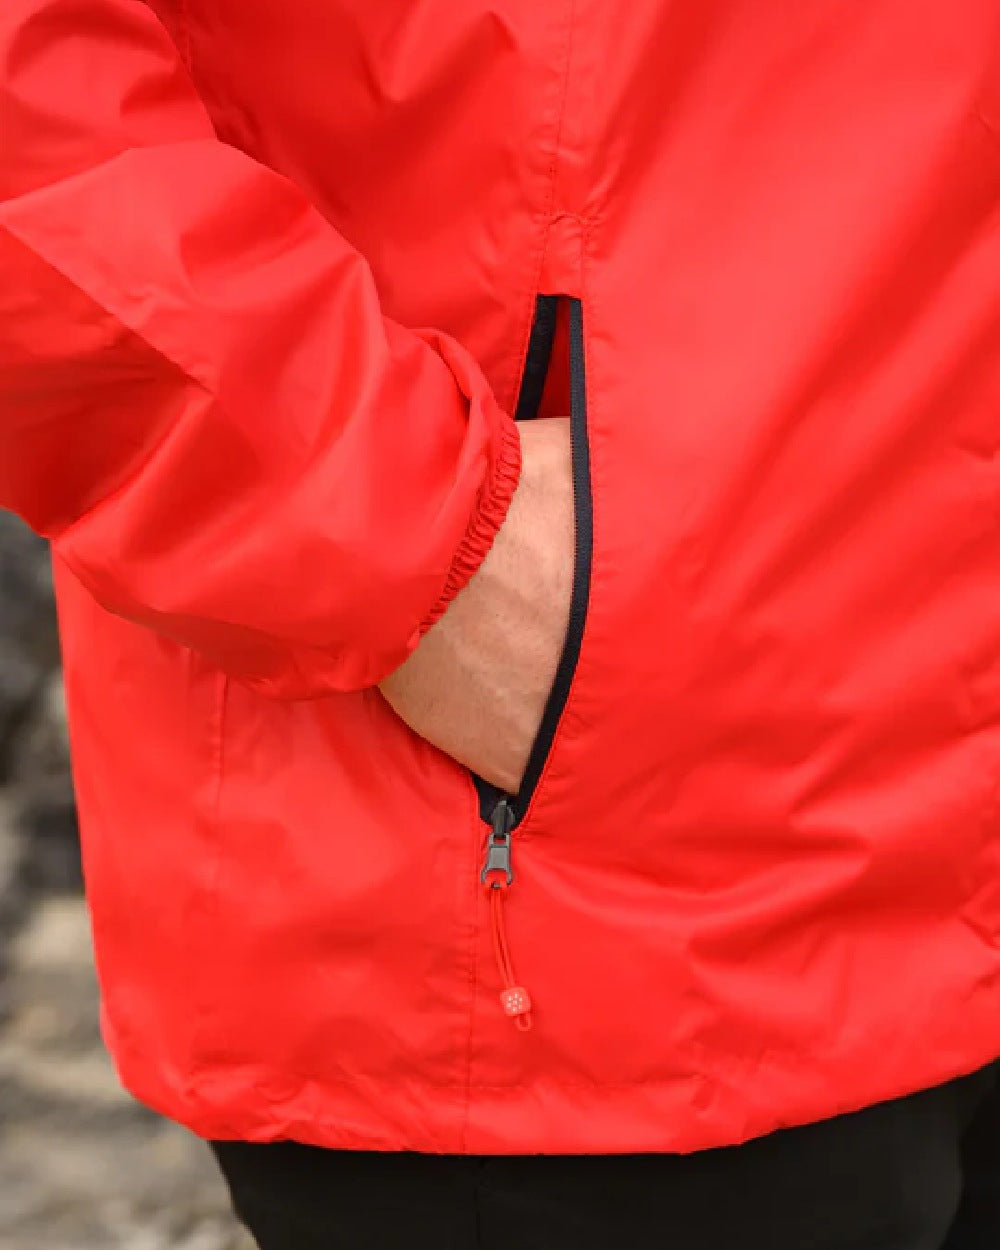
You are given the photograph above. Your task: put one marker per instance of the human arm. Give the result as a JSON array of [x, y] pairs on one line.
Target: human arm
[[201, 402]]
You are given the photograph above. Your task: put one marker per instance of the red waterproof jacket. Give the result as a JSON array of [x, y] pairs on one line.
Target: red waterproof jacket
[[275, 275]]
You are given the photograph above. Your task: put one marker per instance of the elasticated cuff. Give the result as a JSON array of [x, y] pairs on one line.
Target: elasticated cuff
[[494, 499]]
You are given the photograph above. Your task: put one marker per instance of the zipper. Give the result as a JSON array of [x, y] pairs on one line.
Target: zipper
[[503, 812], [538, 358]]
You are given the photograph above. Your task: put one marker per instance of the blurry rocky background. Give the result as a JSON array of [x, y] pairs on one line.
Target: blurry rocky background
[[81, 1166]]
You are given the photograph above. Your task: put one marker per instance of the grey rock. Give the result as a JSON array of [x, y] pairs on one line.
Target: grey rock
[[83, 1167], [34, 755], [29, 646]]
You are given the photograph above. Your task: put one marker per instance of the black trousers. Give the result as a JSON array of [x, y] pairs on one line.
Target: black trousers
[[922, 1173]]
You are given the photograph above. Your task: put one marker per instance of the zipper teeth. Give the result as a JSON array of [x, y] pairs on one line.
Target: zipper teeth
[[538, 358], [583, 546], [534, 375]]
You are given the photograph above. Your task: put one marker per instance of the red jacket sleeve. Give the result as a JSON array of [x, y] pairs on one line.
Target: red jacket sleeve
[[201, 402]]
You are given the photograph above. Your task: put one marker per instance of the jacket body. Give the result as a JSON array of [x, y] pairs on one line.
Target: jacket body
[[274, 280]]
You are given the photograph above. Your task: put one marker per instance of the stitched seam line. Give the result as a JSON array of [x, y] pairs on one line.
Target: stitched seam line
[[201, 1031], [473, 954], [516, 365]]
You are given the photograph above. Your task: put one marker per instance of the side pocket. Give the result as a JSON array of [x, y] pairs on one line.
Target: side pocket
[[504, 812], [532, 387]]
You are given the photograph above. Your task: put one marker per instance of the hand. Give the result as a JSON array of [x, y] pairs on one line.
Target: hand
[[477, 684]]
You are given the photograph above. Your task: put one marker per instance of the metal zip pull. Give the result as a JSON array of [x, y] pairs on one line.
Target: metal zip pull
[[498, 847]]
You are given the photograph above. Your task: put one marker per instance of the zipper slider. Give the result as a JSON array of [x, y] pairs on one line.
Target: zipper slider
[[497, 871]]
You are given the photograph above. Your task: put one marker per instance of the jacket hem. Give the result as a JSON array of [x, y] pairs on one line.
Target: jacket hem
[[681, 1115]]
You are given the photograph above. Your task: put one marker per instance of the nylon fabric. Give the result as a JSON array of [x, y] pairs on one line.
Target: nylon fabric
[[267, 278]]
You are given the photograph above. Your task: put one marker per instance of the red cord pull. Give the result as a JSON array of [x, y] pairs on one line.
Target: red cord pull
[[515, 999], [498, 877]]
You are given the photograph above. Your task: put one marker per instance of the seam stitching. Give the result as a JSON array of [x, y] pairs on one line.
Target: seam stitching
[[544, 218], [210, 895], [472, 806]]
